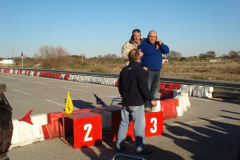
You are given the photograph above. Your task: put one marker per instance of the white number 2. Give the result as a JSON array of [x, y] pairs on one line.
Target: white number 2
[[154, 129], [87, 127]]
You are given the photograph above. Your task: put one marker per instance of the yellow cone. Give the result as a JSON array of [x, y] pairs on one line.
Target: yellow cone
[[69, 105]]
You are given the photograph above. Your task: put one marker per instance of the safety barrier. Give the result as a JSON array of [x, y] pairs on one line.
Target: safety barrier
[[25, 133], [98, 80]]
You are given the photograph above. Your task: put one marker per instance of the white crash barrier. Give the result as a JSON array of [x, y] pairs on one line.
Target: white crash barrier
[[98, 80], [25, 133], [190, 89], [86, 79], [23, 72], [198, 91], [70, 78], [38, 73], [16, 71], [106, 119], [91, 79], [184, 103], [31, 73], [75, 77], [10, 70], [207, 92], [111, 81], [62, 76], [184, 88], [104, 81], [80, 78]]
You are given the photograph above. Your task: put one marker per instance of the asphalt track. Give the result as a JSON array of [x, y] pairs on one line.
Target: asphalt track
[[210, 129]]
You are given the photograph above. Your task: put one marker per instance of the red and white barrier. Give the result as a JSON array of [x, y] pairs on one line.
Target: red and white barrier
[[25, 133]]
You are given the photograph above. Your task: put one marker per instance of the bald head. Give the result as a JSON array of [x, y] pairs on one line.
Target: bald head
[[152, 36]]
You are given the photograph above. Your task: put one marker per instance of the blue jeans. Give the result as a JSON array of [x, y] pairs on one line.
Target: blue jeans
[[136, 114], [153, 85]]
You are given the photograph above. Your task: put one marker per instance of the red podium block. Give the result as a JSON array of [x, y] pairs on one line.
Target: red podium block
[[154, 123], [82, 129], [54, 127]]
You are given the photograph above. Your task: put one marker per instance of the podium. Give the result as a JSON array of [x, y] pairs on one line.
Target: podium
[[154, 124], [82, 129]]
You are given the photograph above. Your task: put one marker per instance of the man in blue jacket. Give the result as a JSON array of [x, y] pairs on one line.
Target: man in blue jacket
[[152, 49], [133, 87]]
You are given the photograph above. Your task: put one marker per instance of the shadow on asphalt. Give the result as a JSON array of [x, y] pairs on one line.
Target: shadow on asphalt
[[226, 101], [218, 140], [107, 153], [82, 104]]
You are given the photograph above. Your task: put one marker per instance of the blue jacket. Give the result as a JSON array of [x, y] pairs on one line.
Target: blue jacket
[[152, 57]]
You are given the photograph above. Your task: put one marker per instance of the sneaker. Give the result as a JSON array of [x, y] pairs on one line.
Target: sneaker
[[145, 151], [148, 110], [121, 148]]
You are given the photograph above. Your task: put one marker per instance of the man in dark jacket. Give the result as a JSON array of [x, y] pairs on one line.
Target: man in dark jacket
[[152, 50], [133, 87]]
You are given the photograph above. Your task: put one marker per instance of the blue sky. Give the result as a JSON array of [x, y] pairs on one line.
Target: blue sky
[[97, 28]]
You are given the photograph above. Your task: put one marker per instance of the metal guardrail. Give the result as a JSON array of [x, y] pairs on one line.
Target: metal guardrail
[[216, 84]]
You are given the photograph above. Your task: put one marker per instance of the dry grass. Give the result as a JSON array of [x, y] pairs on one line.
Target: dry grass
[[220, 71]]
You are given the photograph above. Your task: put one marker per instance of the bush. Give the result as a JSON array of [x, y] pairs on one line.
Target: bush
[[101, 70], [183, 59]]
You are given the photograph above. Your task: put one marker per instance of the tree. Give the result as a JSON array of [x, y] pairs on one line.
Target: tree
[[225, 56], [110, 56], [52, 57], [210, 54], [233, 54], [202, 56], [173, 54]]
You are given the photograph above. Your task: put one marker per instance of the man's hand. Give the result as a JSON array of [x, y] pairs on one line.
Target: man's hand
[[159, 41], [141, 53], [145, 68], [154, 103]]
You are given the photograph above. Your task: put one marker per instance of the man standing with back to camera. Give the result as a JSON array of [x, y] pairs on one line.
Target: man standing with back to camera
[[152, 49], [133, 43], [134, 91]]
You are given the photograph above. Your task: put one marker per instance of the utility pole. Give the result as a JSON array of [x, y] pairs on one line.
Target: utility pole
[[218, 55], [82, 57], [13, 54]]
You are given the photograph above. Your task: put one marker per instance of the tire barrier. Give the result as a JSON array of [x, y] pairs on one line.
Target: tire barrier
[[80, 78], [167, 90], [66, 76], [25, 133], [70, 78], [91, 79], [86, 79], [111, 81], [98, 80], [62, 76], [104, 81]]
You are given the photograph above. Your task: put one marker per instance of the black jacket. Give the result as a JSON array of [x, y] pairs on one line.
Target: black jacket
[[133, 85]]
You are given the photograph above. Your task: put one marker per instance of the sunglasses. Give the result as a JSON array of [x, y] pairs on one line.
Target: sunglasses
[[136, 31]]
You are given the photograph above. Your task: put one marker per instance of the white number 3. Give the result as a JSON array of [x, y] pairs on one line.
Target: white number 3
[[87, 127], [154, 129]]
